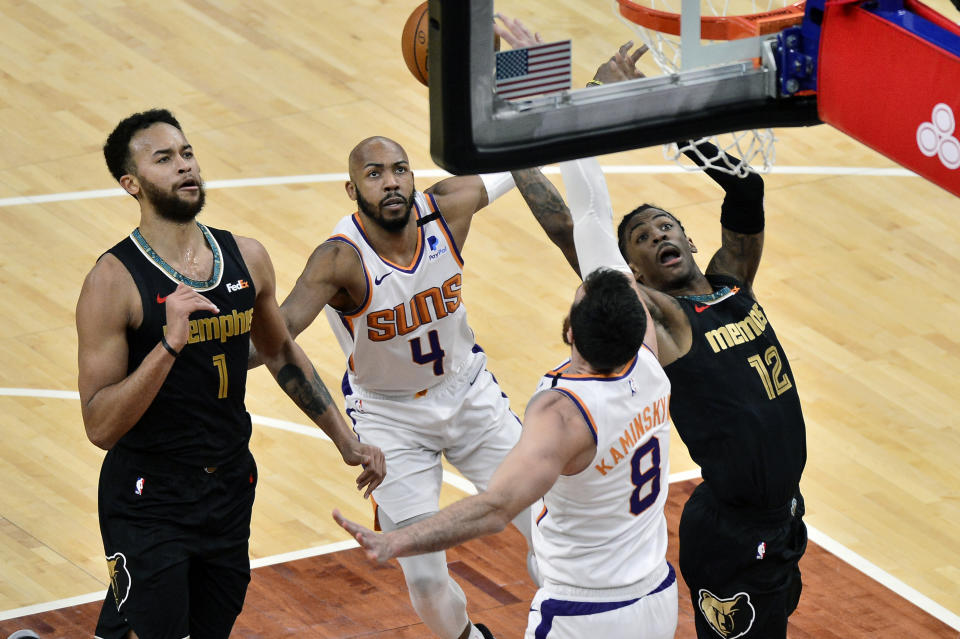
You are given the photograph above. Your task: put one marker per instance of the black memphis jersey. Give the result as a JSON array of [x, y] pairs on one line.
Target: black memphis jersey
[[735, 401], [198, 417]]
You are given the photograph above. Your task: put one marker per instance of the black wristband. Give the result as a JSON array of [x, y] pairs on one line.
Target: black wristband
[[166, 345], [742, 209]]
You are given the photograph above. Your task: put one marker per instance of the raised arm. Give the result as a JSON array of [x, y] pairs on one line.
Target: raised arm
[[295, 373], [540, 194], [555, 440], [741, 219], [111, 400], [550, 211], [460, 197]]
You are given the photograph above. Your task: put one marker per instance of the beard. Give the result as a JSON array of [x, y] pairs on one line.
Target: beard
[[373, 212], [170, 206]]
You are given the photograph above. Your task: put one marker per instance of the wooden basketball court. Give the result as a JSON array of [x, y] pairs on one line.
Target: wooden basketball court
[[860, 278]]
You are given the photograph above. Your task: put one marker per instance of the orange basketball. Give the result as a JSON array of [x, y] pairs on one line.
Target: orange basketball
[[414, 43]]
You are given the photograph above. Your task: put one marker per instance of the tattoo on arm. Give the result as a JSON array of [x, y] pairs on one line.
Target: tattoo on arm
[[739, 255], [543, 199], [549, 209], [312, 397]]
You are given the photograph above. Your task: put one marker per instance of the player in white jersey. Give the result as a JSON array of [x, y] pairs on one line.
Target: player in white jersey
[[595, 448], [416, 381]]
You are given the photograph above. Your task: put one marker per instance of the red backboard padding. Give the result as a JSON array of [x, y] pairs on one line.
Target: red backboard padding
[[891, 90]]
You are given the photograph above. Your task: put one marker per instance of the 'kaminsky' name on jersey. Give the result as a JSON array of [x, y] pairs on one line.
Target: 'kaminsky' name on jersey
[[426, 306], [650, 417], [740, 332], [221, 327]]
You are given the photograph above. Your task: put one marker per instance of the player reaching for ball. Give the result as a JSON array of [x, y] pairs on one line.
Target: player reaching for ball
[[416, 384]]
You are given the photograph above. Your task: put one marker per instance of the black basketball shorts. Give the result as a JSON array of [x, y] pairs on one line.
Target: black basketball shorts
[[176, 544], [741, 566]]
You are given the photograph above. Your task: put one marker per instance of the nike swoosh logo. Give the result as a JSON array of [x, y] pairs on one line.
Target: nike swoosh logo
[[377, 280], [161, 300], [700, 307]]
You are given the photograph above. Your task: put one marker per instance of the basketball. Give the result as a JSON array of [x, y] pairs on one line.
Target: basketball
[[414, 43]]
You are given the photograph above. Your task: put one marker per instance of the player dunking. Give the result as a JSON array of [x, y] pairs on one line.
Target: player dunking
[[595, 447], [735, 401], [164, 322], [416, 383]]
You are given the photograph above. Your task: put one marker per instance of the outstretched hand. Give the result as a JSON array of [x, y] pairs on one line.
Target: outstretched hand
[[515, 32], [375, 544], [621, 66]]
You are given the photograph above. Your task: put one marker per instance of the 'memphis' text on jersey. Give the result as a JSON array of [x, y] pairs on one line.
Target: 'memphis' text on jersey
[[221, 327], [740, 332], [386, 324]]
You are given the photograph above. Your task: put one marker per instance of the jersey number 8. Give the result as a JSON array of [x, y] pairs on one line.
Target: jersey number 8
[[641, 478]]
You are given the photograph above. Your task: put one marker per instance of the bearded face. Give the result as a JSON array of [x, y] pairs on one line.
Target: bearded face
[[381, 213], [180, 204]]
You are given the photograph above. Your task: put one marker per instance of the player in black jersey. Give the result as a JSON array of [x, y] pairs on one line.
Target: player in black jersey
[[164, 322], [734, 402]]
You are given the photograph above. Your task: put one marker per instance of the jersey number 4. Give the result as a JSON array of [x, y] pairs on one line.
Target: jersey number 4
[[434, 355], [645, 476]]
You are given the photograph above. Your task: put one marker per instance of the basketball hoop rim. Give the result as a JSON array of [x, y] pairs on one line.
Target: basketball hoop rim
[[716, 27]]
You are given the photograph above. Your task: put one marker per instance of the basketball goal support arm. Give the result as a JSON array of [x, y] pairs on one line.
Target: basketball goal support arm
[[473, 131]]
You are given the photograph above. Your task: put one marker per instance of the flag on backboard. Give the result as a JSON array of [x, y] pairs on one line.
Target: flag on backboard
[[543, 68]]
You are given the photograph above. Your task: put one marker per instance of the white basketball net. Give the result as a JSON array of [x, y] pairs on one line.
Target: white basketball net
[[748, 146]]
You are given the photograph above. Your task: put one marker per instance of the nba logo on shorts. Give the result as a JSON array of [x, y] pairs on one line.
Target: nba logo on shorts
[[761, 550], [139, 487]]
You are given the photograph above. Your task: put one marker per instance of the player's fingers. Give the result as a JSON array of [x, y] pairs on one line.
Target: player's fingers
[[370, 479], [203, 304], [625, 47], [365, 478], [505, 33], [638, 53], [523, 30]]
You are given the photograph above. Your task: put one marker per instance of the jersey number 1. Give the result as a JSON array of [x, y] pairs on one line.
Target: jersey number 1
[[220, 363]]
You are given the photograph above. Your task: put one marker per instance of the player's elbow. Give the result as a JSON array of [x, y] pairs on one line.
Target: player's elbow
[[498, 516], [101, 438], [101, 431]]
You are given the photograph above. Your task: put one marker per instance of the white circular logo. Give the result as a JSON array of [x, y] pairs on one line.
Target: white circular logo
[[936, 137]]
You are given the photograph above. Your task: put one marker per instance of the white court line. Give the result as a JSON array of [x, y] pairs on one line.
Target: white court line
[[639, 169], [821, 539]]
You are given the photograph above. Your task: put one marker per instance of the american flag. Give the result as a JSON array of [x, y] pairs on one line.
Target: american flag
[[544, 68]]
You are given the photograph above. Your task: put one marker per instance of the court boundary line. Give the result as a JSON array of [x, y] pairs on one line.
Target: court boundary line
[[315, 178], [820, 538]]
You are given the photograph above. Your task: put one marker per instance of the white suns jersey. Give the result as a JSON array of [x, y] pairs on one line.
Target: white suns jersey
[[412, 327], [604, 527]]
